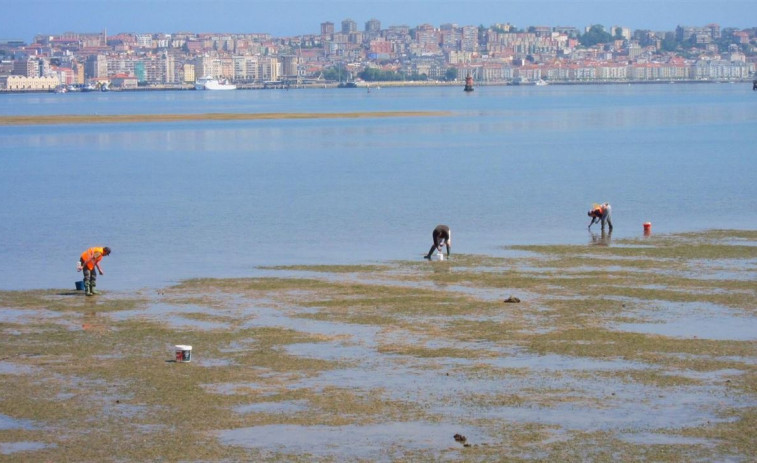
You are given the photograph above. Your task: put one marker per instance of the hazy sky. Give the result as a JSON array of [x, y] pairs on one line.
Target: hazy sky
[[27, 18]]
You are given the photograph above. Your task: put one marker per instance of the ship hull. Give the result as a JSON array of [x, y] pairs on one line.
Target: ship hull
[[208, 83]]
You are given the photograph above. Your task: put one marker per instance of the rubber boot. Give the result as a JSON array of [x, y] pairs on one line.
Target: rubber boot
[[92, 289], [88, 288]]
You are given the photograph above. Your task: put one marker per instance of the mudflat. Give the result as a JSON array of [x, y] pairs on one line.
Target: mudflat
[[628, 350]]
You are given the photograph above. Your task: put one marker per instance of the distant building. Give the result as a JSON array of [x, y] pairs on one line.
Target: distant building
[[634, 50], [621, 31], [714, 31], [96, 67], [124, 82], [701, 34], [348, 26], [21, 83], [289, 66], [570, 31], [373, 27], [6, 67], [189, 73], [144, 40], [327, 29], [469, 38], [30, 67], [541, 31]]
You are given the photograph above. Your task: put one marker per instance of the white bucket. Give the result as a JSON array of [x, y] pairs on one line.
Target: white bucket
[[183, 353], [439, 256]]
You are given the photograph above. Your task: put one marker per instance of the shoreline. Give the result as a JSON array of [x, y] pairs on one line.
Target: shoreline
[[409, 84]]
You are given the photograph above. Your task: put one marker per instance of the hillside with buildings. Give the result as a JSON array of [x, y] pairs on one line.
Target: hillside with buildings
[[498, 54]]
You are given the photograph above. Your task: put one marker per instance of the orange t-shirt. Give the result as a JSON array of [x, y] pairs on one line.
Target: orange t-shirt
[[92, 256]]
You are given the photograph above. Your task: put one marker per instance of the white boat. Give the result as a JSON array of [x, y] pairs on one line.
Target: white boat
[[211, 83], [541, 82]]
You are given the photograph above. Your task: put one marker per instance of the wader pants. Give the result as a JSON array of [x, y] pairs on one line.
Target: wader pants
[[90, 277]]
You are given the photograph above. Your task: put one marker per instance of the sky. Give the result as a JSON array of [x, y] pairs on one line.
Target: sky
[[22, 20]]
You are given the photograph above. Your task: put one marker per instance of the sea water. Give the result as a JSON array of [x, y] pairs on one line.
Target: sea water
[[503, 165]]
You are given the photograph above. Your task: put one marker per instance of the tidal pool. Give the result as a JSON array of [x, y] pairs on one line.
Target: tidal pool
[[8, 448], [692, 320], [376, 442]]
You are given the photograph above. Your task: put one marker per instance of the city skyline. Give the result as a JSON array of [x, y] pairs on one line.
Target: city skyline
[[302, 17]]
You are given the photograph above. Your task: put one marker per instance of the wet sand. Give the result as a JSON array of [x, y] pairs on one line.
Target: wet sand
[[638, 348], [133, 118]]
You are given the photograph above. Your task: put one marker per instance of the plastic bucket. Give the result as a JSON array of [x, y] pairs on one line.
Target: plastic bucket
[[79, 285], [183, 353]]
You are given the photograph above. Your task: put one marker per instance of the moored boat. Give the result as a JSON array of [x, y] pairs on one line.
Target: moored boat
[[211, 83]]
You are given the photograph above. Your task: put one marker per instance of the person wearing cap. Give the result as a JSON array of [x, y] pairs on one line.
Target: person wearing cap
[[89, 263], [601, 213], [442, 236]]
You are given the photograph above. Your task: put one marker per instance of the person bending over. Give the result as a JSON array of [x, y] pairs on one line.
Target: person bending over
[[601, 213], [89, 263], [442, 236]]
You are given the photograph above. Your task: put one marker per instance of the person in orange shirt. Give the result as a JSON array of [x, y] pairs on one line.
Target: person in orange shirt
[[89, 263], [601, 213]]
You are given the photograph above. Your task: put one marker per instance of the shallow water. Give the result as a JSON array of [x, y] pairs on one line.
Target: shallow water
[[648, 438], [9, 368], [510, 165], [596, 402], [174, 316], [277, 408], [376, 442], [6, 422], [7, 448], [692, 320]]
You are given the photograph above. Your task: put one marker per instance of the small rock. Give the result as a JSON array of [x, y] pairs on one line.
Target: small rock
[[460, 438], [512, 299]]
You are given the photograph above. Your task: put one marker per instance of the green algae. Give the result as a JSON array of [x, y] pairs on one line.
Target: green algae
[[101, 387]]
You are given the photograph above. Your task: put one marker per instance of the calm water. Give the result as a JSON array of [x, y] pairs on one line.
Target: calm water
[[511, 165]]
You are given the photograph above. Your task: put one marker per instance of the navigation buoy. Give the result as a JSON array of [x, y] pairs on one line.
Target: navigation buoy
[[647, 228], [468, 83]]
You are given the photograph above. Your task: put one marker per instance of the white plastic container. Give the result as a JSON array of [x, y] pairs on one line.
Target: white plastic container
[[183, 353]]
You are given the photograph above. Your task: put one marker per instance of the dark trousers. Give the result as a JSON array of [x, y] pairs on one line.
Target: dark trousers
[[90, 276], [437, 241]]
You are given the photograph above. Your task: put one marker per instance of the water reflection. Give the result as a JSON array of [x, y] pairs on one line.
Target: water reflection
[[441, 267], [600, 239]]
